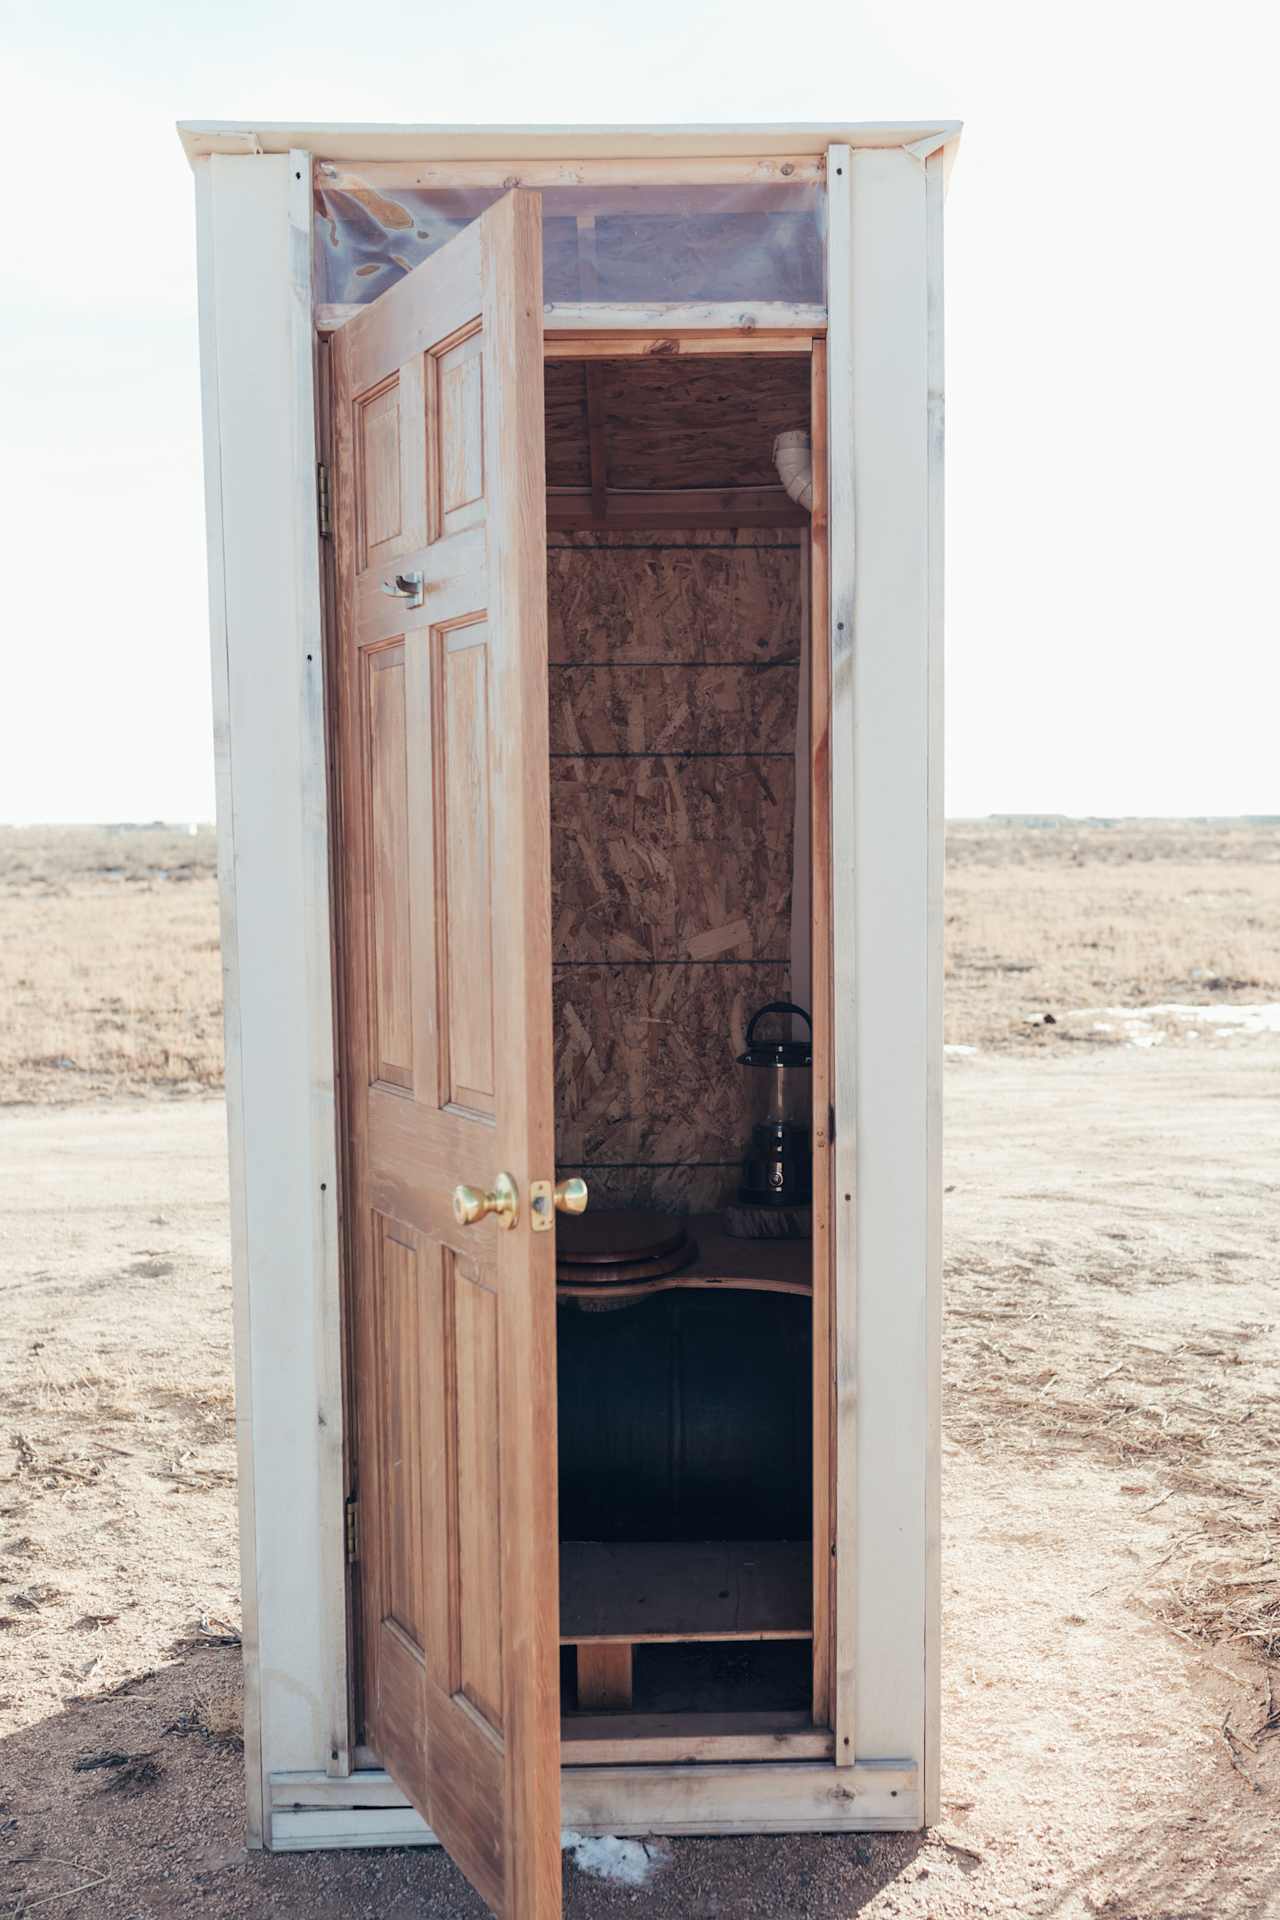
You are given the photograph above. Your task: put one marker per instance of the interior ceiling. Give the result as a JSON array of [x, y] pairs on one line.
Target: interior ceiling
[[683, 422]]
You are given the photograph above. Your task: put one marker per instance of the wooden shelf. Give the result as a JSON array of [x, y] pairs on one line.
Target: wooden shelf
[[760, 1266], [647, 1591]]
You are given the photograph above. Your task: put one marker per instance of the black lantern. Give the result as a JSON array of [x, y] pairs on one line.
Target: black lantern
[[777, 1171]]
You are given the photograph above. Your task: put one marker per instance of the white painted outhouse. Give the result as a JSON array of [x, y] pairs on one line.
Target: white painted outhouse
[[575, 551]]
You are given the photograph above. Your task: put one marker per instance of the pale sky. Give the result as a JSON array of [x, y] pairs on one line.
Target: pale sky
[[1112, 630]]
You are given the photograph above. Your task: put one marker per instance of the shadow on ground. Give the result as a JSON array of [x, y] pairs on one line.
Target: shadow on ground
[[154, 1825]]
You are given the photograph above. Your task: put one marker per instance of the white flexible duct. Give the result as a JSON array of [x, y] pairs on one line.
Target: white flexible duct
[[793, 457]]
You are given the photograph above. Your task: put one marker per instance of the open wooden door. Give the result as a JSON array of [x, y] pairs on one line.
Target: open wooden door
[[439, 489]]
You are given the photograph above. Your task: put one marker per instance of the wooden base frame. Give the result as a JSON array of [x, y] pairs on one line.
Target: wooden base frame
[[368, 1810]]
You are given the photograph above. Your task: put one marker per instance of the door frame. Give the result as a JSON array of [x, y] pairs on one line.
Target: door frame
[[590, 343]]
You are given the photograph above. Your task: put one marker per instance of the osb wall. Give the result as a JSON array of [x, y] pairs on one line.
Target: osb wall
[[674, 679]]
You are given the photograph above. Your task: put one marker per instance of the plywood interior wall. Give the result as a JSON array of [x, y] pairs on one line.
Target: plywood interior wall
[[675, 664]]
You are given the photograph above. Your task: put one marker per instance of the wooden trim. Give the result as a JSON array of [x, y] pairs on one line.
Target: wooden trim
[[218, 568], [600, 330], [359, 142], [270, 746], [825, 1464], [675, 1739], [318, 918], [729, 317], [783, 172], [596, 329], [572, 509], [935, 187], [894, 787], [843, 983], [621, 345], [368, 1809]]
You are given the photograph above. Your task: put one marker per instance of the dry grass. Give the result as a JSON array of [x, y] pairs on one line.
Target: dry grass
[[1053, 919], [109, 968], [110, 979], [1185, 1418]]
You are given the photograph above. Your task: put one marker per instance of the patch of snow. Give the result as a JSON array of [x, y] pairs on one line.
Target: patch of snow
[[1138, 1023], [955, 1046], [627, 1863]]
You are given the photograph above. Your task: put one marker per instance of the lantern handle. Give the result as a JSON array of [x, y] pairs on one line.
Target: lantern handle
[[777, 1006]]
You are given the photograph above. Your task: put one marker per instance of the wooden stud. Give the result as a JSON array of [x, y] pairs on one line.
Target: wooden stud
[[843, 980], [782, 172], [588, 283], [604, 1677], [825, 1464]]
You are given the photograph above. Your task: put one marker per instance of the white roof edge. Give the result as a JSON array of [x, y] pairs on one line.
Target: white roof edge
[[349, 140]]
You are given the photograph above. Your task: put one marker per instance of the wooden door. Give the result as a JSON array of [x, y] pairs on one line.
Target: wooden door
[[439, 478]]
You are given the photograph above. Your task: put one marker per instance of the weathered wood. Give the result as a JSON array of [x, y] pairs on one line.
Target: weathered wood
[[672, 1739], [439, 470], [650, 1591], [604, 1677], [356, 143], [738, 1797], [786, 172]]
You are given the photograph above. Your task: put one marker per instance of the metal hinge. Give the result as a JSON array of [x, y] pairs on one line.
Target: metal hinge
[[353, 1529], [322, 500]]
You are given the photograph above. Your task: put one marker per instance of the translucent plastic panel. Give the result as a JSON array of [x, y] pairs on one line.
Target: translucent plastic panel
[[633, 244]]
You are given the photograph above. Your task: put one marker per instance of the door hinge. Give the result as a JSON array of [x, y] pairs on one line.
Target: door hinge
[[353, 1529], [322, 500]]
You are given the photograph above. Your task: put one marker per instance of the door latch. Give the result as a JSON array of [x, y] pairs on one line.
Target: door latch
[[406, 587]]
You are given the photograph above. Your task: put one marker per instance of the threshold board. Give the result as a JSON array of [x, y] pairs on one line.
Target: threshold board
[[671, 1739], [648, 1591]]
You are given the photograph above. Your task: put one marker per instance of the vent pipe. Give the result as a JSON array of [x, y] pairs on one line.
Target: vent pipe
[[793, 457]]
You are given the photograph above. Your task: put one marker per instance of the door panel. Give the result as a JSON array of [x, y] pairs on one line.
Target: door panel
[[446, 1055]]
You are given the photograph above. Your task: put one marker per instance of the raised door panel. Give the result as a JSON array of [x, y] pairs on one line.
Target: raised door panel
[[389, 868], [378, 470], [457, 451], [466, 836]]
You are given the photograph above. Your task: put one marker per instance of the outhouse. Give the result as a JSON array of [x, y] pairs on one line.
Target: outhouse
[[575, 554]]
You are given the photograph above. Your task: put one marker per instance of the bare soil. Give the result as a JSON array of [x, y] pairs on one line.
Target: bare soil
[[1112, 1465], [1112, 1440]]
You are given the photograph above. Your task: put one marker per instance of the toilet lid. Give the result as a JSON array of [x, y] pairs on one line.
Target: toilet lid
[[620, 1235]]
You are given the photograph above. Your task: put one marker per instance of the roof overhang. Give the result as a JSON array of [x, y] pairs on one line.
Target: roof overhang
[[355, 141]]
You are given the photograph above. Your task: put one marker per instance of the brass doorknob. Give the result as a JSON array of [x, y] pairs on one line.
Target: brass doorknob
[[570, 1195], [502, 1200]]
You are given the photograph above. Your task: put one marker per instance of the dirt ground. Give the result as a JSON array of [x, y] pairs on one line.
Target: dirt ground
[[1112, 1424], [1112, 1454]]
